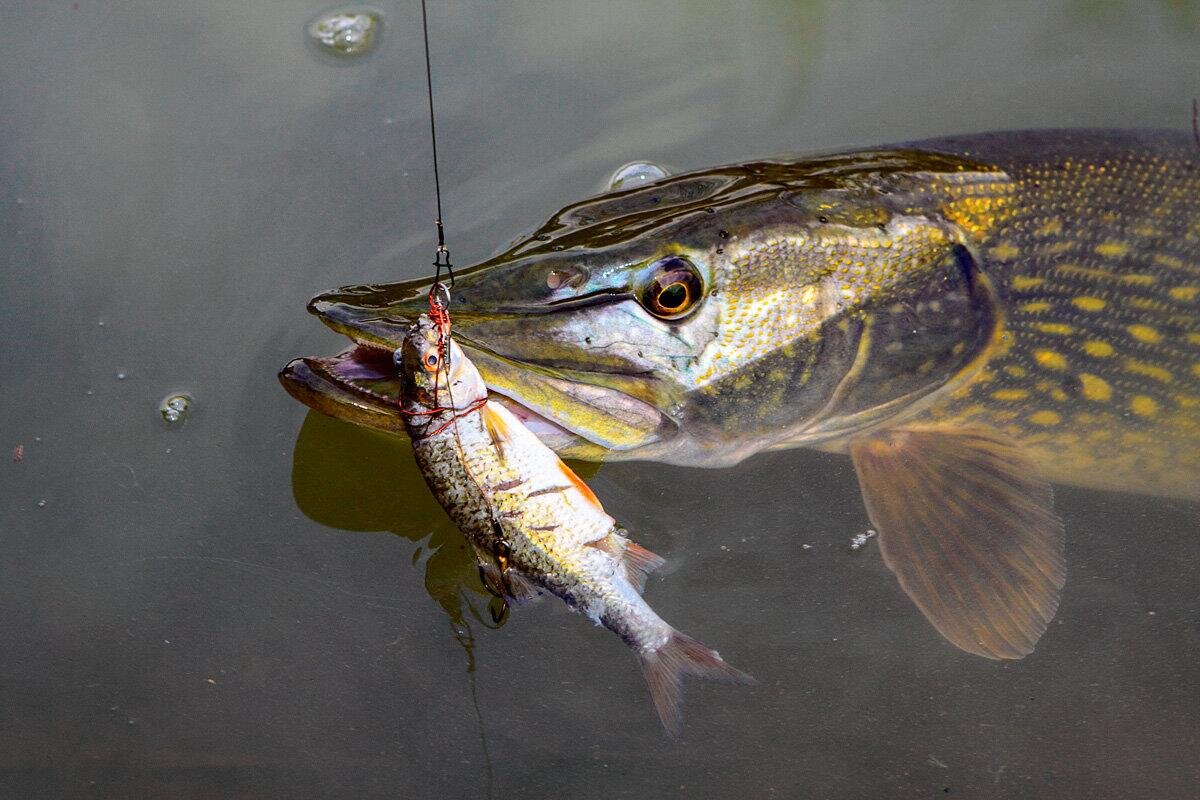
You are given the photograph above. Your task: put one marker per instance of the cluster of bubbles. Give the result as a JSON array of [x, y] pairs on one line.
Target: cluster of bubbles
[[859, 540], [345, 32]]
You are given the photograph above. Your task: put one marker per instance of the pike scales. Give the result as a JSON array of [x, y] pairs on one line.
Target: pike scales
[[1098, 266]]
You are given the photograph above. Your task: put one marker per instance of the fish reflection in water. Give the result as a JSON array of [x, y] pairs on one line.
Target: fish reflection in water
[[354, 479]]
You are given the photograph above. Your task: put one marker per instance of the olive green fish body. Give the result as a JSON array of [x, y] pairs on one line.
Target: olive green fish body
[[968, 318], [1095, 256]]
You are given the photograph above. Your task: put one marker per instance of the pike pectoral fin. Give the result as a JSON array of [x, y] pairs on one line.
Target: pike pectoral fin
[[968, 528]]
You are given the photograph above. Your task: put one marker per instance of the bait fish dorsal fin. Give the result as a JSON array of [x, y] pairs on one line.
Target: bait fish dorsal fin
[[968, 527], [496, 426], [636, 561], [577, 483]]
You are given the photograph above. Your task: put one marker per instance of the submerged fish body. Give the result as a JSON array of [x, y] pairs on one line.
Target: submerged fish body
[[533, 522], [969, 318]]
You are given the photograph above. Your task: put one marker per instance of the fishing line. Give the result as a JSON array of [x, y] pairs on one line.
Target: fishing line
[[441, 256], [1196, 121], [439, 314]]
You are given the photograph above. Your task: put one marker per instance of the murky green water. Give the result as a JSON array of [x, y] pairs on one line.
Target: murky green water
[[259, 602]]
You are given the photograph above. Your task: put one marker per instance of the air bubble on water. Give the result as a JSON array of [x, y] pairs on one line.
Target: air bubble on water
[[860, 539], [175, 407], [346, 31], [635, 173], [41, 503], [121, 376]]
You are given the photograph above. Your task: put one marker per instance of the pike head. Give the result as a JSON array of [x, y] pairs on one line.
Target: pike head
[[706, 316]]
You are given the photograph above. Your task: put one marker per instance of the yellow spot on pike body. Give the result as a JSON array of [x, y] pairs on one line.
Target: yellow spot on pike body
[[1149, 370], [1193, 338], [1112, 249], [1166, 260], [1196, 369], [1087, 272], [1004, 252], [1010, 394], [1045, 417], [1144, 303], [1050, 359], [1144, 333], [1023, 282], [1143, 406], [1184, 293], [1089, 303], [1051, 227], [1054, 327], [1138, 279], [1016, 370], [1097, 348], [1095, 388], [1036, 306]]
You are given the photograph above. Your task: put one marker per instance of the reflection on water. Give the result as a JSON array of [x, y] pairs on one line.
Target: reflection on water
[[353, 479]]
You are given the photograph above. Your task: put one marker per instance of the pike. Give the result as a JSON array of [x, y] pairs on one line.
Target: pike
[[970, 319], [533, 522]]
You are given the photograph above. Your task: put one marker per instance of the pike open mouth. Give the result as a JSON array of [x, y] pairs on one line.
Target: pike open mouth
[[361, 384], [577, 412]]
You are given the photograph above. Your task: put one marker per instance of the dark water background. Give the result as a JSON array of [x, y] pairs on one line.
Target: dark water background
[[219, 609]]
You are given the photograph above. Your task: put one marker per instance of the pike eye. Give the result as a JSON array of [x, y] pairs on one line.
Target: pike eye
[[431, 362], [673, 290]]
